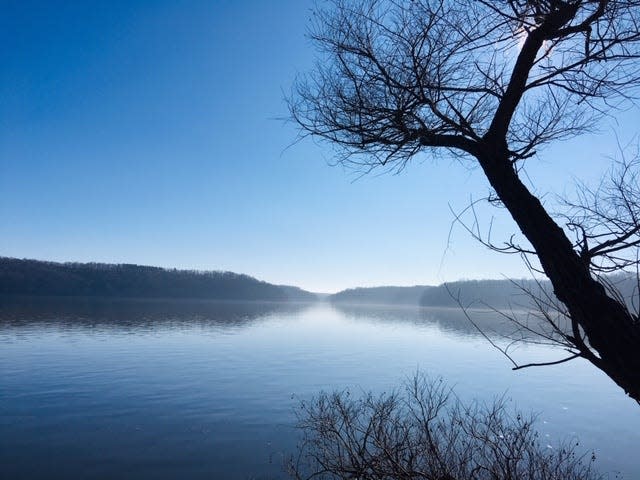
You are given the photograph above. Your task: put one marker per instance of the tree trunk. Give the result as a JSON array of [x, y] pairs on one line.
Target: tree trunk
[[609, 327]]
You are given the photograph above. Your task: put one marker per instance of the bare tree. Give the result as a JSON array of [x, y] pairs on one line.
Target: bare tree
[[426, 433], [492, 82]]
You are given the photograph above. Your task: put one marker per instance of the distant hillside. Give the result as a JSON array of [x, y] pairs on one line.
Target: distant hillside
[[297, 294], [477, 293], [33, 277], [513, 293], [493, 293], [485, 293], [381, 295]]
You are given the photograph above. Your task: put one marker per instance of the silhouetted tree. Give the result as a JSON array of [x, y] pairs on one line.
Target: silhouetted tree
[[425, 433], [493, 81]]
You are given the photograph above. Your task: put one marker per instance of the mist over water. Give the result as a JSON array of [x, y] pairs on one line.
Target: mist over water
[[196, 389]]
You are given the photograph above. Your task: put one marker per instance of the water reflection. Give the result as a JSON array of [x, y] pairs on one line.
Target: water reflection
[[148, 314], [135, 314], [451, 320], [91, 313], [103, 388]]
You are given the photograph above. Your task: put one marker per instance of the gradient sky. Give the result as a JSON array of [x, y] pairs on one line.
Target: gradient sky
[[150, 132]]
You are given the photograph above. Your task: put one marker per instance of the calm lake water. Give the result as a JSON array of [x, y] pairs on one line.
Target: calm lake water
[[156, 389]]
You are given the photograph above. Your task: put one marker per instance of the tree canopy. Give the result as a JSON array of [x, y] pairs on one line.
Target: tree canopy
[[395, 77], [33, 277]]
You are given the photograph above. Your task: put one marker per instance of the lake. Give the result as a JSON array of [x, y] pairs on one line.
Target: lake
[[98, 389]]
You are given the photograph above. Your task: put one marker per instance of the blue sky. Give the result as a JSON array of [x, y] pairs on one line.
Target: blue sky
[[151, 132]]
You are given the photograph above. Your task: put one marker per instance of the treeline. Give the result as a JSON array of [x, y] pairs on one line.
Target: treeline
[[496, 293], [381, 295], [478, 293], [486, 293], [33, 277]]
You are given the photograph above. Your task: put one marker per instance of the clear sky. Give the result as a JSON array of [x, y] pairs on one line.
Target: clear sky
[[151, 132]]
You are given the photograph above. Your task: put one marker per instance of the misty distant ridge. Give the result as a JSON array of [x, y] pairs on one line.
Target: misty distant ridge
[[40, 278], [477, 293], [387, 295], [506, 293]]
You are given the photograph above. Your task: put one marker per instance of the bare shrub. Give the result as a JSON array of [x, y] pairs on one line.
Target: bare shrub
[[425, 432]]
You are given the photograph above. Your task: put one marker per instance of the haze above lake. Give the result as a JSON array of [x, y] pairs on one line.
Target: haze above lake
[[198, 389]]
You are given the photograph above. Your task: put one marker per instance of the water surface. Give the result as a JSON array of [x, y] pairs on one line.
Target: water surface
[[99, 389]]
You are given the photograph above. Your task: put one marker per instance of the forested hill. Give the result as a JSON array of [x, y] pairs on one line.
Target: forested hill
[[486, 293], [381, 295], [477, 293], [495, 293], [33, 277]]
